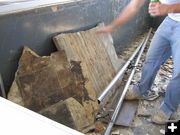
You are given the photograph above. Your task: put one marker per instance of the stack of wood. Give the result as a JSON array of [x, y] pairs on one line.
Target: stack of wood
[[64, 86]]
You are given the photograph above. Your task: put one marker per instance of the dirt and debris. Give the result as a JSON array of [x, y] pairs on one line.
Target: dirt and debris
[[64, 86], [77, 87]]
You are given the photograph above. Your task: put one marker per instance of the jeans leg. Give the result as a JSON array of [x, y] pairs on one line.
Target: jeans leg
[[158, 53], [172, 97]]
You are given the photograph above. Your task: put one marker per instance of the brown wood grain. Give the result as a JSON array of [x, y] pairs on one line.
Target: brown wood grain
[[98, 58]]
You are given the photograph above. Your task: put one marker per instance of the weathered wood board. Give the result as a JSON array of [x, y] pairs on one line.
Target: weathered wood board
[[41, 82], [98, 58], [68, 112]]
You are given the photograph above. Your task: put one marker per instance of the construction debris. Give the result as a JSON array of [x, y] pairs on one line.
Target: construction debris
[[64, 86], [142, 124], [99, 127], [41, 82], [128, 109], [68, 112]]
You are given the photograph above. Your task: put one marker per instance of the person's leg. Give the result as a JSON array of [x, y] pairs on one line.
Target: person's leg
[[158, 53], [172, 97]]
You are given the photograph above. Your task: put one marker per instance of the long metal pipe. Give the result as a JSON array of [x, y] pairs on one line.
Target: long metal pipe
[[118, 107], [2, 87], [119, 74]]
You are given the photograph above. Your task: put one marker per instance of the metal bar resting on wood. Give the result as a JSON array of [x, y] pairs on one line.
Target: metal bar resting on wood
[[119, 74], [118, 107]]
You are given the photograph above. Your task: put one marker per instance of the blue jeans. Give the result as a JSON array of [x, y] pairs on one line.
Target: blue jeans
[[165, 43]]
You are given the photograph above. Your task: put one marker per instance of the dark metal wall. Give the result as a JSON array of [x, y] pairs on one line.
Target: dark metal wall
[[36, 28], [157, 21]]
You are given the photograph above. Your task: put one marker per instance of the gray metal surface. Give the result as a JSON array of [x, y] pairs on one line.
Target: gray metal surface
[[127, 113], [35, 29], [2, 87]]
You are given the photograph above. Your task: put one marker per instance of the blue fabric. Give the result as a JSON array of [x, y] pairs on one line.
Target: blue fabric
[[165, 43]]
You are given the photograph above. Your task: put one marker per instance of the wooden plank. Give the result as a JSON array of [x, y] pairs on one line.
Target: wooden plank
[[98, 58], [41, 82], [69, 112]]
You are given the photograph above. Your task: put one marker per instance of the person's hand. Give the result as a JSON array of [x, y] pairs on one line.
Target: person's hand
[[158, 9], [105, 29]]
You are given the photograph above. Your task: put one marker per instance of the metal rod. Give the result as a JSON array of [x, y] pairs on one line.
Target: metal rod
[[118, 107], [119, 74], [2, 87]]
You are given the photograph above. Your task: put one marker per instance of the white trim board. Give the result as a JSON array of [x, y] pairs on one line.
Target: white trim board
[[13, 6], [17, 120]]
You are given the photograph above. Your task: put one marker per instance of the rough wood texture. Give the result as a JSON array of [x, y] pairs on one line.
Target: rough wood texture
[[97, 55], [69, 112], [43, 81]]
